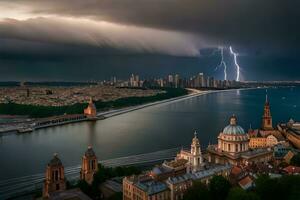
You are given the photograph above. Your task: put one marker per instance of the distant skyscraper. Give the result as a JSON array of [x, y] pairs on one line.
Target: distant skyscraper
[[177, 81], [134, 80], [170, 79]]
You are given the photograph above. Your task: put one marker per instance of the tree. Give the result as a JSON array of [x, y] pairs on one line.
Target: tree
[[116, 196], [267, 188], [290, 186], [219, 188], [197, 191], [240, 194]]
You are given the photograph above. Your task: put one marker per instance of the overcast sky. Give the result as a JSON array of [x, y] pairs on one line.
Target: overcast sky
[[94, 39]]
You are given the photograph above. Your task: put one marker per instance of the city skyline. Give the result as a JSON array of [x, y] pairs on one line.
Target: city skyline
[[92, 40]]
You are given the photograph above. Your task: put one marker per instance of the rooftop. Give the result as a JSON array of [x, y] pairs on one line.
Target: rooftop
[[152, 187], [246, 183], [198, 175], [292, 169], [175, 163], [73, 194]]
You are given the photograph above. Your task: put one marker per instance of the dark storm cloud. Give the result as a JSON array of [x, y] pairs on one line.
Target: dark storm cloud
[[247, 23], [84, 32], [94, 39]]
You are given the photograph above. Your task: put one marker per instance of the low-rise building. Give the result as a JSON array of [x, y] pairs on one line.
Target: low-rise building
[[169, 169], [291, 170], [180, 184], [139, 188], [246, 183]]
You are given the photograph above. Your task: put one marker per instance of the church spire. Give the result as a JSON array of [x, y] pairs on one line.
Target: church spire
[[267, 118], [195, 134]]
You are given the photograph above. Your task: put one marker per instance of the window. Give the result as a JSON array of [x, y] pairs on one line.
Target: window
[[56, 175]]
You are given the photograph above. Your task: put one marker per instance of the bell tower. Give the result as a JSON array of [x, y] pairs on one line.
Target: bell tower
[[55, 177], [267, 118], [89, 165], [196, 155]]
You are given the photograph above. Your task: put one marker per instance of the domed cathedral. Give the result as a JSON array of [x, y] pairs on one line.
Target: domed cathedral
[[194, 156], [55, 177], [233, 147], [233, 139], [89, 165]]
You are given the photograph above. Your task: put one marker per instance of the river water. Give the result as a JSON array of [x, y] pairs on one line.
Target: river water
[[150, 129]]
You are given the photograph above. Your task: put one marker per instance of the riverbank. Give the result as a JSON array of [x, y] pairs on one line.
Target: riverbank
[[36, 109], [31, 125]]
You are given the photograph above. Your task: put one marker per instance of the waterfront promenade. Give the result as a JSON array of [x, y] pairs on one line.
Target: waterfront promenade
[[27, 184]]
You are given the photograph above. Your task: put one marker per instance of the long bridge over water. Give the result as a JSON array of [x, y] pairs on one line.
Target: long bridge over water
[[27, 184]]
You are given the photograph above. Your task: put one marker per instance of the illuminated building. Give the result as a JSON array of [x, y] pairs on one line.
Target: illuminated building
[[180, 184], [169, 169], [233, 147], [55, 177], [194, 156], [89, 165], [267, 136], [143, 188], [91, 111]]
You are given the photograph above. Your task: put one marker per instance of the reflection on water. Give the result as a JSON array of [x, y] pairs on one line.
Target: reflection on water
[[150, 129]]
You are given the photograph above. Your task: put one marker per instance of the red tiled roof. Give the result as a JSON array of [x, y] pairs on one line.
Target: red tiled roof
[[245, 181], [236, 170], [292, 169]]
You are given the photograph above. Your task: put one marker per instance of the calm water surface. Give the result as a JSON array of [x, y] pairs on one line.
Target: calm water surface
[[150, 129]]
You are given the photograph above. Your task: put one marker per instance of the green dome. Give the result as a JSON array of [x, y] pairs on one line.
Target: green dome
[[233, 130]]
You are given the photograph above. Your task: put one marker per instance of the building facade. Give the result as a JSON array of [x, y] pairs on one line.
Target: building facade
[[91, 111], [180, 184], [194, 156], [233, 147], [55, 177], [143, 188], [89, 165]]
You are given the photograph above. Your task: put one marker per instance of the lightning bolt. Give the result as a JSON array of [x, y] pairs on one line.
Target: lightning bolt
[[222, 63], [236, 64]]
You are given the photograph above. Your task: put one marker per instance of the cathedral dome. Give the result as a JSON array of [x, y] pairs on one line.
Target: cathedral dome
[[233, 128]]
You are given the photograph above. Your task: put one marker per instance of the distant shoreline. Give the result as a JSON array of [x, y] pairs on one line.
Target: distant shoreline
[[114, 112]]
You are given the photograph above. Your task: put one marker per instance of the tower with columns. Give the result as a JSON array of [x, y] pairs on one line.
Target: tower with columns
[[89, 165], [196, 155], [55, 177]]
